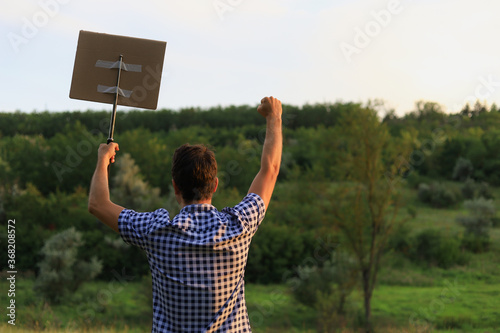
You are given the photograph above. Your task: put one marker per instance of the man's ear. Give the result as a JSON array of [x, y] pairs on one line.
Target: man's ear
[[216, 184], [176, 189]]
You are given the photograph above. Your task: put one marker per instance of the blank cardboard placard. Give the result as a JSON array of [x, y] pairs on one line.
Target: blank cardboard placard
[[96, 68]]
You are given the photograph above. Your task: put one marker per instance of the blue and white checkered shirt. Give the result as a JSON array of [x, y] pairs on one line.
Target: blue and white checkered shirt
[[197, 262]]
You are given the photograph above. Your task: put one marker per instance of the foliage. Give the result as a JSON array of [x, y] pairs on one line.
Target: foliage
[[129, 190], [61, 273], [400, 240], [433, 247], [40, 217], [468, 189], [149, 151], [276, 250], [331, 283], [484, 191], [471, 190], [430, 247], [437, 195], [463, 169], [362, 206], [414, 179], [478, 224], [57, 150]]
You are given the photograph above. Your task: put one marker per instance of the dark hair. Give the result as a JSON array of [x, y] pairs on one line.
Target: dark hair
[[194, 170]]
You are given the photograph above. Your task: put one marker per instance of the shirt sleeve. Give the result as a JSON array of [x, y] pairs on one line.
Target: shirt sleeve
[[250, 211], [134, 227]]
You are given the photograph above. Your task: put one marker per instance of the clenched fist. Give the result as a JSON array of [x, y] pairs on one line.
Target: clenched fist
[[270, 107]]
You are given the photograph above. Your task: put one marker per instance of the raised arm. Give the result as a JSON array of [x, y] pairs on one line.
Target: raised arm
[[263, 184], [100, 204]]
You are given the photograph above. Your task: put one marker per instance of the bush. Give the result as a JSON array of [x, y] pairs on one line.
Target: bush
[[470, 190], [437, 195], [434, 248], [336, 279], [463, 169], [481, 213], [310, 281], [414, 179], [400, 240], [265, 266], [424, 193], [478, 224], [476, 244], [61, 272], [328, 318], [484, 191], [412, 211]]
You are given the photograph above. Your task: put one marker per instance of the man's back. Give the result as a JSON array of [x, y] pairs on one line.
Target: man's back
[[197, 262]]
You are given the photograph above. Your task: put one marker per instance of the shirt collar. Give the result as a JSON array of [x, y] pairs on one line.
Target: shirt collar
[[197, 208]]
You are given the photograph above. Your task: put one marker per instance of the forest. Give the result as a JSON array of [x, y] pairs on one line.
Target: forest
[[366, 201]]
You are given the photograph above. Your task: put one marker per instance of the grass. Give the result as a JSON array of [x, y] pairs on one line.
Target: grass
[[453, 304], [450, 303], [272, 309], [95, 306], [12, 329]]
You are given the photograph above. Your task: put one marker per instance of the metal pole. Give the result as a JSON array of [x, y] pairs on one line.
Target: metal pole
[[115, 103]]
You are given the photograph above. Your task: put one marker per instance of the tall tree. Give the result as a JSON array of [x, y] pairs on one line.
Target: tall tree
[[365, 205]]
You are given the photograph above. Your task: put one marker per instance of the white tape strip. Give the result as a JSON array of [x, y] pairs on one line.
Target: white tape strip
[[116, 64], [112, 90]]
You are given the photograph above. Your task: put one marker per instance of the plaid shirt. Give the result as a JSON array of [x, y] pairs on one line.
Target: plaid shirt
[[197, 263]]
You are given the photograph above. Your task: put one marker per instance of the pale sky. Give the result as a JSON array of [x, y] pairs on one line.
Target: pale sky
[[223, 52]]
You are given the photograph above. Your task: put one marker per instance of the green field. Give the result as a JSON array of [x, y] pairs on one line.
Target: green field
[[472, 306], [455, 300]]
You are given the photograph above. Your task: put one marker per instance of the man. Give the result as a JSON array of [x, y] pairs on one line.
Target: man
[[198, 258]]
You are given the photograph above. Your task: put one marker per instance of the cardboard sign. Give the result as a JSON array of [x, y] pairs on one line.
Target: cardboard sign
[[96, 69]]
